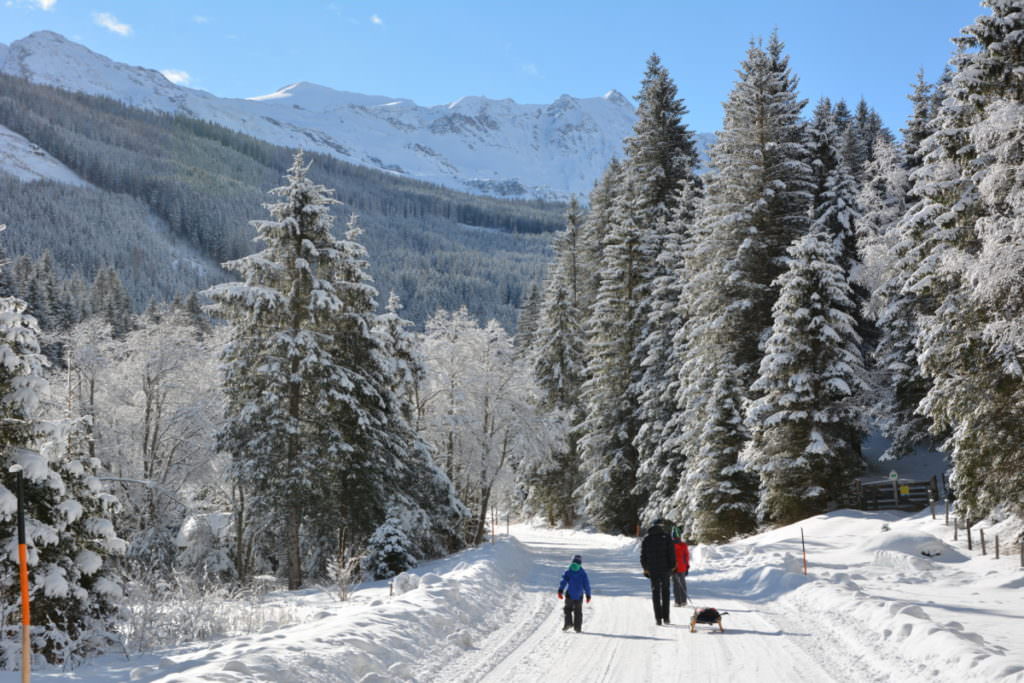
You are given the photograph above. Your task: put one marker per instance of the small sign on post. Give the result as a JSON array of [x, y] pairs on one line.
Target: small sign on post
[[894, 477]]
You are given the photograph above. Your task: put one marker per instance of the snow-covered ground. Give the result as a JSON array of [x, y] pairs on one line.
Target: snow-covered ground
[[26, 161], [887, 597]]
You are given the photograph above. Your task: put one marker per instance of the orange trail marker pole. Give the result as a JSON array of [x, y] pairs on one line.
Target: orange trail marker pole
[[26, 671]]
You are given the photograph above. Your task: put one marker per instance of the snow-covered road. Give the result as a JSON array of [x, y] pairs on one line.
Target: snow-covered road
[[888, 598], [620, 640]]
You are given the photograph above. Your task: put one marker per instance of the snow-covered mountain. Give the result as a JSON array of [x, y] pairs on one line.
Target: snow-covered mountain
[[477, 144]]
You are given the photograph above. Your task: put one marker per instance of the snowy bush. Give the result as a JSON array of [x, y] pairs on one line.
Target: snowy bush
[[164, 610], [389, 551], [405, 582], [345, 572], [204, 544]]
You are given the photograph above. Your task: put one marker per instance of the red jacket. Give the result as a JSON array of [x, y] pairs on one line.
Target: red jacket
[[682, 557]]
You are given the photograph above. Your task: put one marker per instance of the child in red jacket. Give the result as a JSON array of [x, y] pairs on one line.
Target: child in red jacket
[[682, 567]]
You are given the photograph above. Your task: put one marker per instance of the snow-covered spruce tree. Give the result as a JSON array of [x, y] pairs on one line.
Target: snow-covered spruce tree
[[662, 153], [404, 357], [306, 416], [918, 125], [423, 506], [757, 202], [593, 233], [529, 315], [892, 246], [110, 301], [895, 376], [609, 457], [73, 591], [971, 199], [859, 137], [833, 203], [660, 159], [835, 213], [559, 365], [659, 443], [78, 588], [806, 423], [390, 551]]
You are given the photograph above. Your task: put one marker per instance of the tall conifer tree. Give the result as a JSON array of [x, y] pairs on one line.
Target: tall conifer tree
[[560, 367], [308, 399], [807, 420], [757, 202], [968, 220]]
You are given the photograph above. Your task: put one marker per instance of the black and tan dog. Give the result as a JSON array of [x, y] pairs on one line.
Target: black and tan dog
[[706, 615]]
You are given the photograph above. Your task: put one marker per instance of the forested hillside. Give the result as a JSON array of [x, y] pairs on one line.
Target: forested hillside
[[170, 198]]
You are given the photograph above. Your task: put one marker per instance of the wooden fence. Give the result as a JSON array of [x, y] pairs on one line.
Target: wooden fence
[[902, 494]]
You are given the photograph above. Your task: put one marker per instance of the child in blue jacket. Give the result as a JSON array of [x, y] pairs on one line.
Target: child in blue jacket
[[573, 587]]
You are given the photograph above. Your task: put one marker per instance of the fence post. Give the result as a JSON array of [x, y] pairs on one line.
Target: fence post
[[997, 546], [981, 533], [967, 525], [945, 504], [804, 549], [955, 528]]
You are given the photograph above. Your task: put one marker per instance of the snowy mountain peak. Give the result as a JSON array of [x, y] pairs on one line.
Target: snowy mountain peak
[[321, 98], [51, 59], [473, 144], [615, 97]]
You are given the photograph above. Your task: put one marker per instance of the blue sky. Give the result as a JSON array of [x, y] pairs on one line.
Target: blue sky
[[531, 51]]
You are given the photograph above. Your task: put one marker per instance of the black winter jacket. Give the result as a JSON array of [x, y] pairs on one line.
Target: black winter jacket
[[657, 553]]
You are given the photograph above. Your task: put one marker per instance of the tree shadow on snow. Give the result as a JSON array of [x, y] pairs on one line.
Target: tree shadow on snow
[[621, 635], [609, 572], [748, 631]]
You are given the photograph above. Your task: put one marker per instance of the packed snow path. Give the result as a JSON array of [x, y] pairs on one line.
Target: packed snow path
[[888, 598], [620, 639]]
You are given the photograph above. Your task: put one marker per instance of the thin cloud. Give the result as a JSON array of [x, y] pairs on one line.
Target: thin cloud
[[110, 22], [200, 19], [376, 20], [45, 5], [176, 76], [531, 70]]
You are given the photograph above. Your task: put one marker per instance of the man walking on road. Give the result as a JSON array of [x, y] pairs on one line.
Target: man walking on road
[[658, 558]]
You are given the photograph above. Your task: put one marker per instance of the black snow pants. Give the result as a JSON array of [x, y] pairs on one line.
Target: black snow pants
[[679, 588], [660, 596], [573, 614]]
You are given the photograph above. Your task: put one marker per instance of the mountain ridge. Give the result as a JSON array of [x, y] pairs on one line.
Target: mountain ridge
[[474, 144]]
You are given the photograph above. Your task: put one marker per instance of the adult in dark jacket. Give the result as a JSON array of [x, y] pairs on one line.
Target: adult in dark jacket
[[573, 586], [658, 558]]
